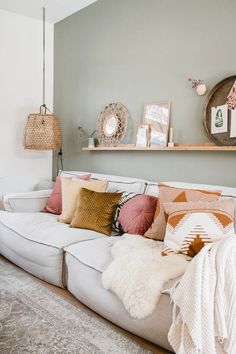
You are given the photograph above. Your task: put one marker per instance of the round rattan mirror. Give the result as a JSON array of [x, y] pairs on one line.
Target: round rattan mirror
[[112, 124], [216, 97]]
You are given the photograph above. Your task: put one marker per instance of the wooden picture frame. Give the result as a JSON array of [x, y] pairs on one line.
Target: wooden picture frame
[[157, 115], [142, 135]]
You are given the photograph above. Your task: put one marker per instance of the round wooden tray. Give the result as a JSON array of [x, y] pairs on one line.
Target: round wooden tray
[[216, 97]]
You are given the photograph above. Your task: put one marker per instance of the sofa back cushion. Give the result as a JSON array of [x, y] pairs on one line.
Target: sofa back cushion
[[152, 188], [115, 183]]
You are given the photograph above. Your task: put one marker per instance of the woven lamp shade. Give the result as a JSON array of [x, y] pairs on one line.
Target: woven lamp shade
[[42, 132]]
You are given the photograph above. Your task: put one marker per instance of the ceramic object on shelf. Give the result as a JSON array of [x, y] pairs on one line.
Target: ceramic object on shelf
[[91, 142], [199, 86], [201, 89]]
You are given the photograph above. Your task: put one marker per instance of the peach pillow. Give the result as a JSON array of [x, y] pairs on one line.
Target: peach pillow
[[169, 194], [70, 192], [54, 203], [137, 214]]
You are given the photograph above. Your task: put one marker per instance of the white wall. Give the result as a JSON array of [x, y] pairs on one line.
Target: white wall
[[21, 94]]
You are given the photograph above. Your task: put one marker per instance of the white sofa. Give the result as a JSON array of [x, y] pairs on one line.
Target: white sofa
[[75, 258]]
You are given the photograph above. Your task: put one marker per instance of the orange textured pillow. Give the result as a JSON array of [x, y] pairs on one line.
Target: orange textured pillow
[[168, 194]]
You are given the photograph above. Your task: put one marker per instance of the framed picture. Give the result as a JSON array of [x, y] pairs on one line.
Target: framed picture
[[157, 114], [219, 119], [142, 135]]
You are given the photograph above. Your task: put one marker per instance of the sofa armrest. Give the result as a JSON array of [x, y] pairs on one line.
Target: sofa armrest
[[26, 202]]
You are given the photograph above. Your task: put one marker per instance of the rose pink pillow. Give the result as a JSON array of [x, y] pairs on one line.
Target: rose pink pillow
[[54, 203], [137, 214]]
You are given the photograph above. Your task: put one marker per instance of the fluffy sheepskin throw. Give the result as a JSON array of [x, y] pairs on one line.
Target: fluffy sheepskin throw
[[138, 273]]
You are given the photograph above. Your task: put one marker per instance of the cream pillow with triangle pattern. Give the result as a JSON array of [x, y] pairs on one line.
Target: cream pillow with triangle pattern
[[191, 225]]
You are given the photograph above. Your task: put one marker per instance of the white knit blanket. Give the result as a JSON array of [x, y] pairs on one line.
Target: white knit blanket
[[138, 273], [204, 318]]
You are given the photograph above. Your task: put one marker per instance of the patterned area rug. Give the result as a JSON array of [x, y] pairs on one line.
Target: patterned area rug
[[34, 320]]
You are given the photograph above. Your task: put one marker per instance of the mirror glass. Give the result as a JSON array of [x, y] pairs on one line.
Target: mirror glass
[[111, 125]]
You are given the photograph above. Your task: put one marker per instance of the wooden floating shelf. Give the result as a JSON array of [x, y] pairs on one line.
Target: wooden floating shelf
[[177, 147]]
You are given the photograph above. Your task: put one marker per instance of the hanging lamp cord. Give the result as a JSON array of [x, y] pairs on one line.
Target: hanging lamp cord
[[59, 162], [60, 154], [44, 42]]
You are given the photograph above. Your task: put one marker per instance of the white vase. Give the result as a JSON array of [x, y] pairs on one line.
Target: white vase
[[201, 89], [91, 142]]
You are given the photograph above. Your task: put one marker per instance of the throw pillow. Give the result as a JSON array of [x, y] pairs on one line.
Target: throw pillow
[[54, 203], [95, 211], [126, 196], [70, 191], [191, 225], [137, 214], [171, 194]]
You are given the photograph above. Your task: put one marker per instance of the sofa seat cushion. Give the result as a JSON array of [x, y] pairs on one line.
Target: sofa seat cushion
[[85, 263], [44, 228], [115, 183], [36, 241], [95, 254]]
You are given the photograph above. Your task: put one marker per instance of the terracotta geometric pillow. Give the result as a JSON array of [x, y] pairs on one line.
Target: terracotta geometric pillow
[[169, 194], [191, 225]]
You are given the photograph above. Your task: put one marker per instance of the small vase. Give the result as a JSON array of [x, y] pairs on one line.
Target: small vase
[[91, 142], [201, 89]]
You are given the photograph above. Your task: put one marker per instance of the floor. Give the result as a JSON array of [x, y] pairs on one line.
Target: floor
[[66, 295], [70, 298]]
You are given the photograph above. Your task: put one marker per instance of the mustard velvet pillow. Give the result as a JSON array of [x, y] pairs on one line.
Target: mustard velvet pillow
[[95, 211], [71, 190]]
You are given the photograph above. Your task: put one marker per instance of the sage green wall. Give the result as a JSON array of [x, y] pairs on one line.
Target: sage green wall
[[137, 51]]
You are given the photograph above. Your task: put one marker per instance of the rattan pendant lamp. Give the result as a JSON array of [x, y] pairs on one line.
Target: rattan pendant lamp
[[43, 131]]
